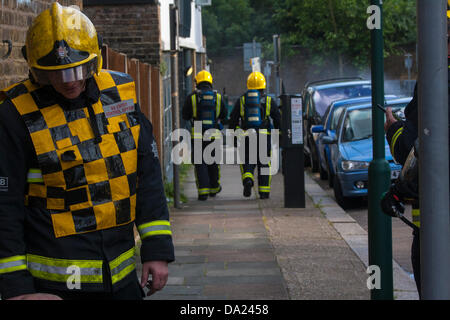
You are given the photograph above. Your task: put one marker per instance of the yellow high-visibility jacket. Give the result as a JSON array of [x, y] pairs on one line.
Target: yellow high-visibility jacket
[[78, 175]]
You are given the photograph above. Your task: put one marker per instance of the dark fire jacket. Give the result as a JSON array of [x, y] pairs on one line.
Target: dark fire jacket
[[69, 203]]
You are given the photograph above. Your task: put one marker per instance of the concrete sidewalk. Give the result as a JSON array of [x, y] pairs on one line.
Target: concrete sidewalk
[[231, 247]]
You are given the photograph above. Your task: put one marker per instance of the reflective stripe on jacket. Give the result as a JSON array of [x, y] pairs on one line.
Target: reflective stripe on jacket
[[62, 270]]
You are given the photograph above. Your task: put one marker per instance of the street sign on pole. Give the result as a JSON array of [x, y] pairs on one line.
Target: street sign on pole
[[256, 64], [251, 50], [408, 64], [379, 224]]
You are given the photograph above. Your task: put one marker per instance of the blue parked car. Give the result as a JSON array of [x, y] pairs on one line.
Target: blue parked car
[[351, 151], [329, 128]]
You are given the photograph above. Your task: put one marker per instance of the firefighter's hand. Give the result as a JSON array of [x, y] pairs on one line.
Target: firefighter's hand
[[390, 119], [160, 273], [36, 296]]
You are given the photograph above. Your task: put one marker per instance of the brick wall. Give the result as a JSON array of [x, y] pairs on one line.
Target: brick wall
[[228, 72], [15, 18], [131, 29]]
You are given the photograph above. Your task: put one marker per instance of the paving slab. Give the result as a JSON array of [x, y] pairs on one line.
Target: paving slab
[[357, 238], [231, 247]]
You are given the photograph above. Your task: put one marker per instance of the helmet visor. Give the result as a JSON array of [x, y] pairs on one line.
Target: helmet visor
[[77, 73]]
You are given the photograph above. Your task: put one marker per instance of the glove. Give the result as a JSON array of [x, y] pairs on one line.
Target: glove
[[392, 205]]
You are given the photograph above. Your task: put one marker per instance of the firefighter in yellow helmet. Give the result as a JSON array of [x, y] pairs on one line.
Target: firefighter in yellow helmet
[[74, 143], [448, 9], [258, 111], [206, 107]]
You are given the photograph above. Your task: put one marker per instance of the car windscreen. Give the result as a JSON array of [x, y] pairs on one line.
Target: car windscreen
[[357, 125], [334, 117], [323, 97]]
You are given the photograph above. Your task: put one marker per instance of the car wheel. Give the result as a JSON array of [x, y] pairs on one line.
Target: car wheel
[[323, 173], [330, 175], [313, 157], [340, 199], [330, 180], [306, 160]]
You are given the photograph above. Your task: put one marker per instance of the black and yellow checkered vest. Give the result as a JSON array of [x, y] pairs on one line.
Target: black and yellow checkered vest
[[86, 186]]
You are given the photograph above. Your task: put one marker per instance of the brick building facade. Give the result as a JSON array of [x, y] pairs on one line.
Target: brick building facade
[[15, 18], [130, 28]]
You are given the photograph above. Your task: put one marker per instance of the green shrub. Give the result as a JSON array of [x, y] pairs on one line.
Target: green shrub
[[168, 186]]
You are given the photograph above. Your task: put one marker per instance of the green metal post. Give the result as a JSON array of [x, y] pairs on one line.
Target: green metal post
[[379, 224]]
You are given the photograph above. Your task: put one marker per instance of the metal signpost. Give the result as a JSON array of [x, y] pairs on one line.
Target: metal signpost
[[277, 63], [251, 50], [175, 102]]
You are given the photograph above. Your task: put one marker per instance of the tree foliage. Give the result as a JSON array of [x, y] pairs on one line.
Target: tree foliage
[[328, 29], [230, 23], [338, 27]]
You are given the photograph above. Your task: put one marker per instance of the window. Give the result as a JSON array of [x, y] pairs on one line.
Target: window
[[324, 97], [357, 125], [334, 117], [185, 18]]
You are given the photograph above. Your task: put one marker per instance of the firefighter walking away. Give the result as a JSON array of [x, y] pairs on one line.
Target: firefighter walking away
[[206, 106], [255, 111]]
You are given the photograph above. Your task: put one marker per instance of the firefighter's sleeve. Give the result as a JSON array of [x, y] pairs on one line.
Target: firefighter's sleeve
[[235, 115], [275, 114], [15, 279], [152, 213], [401, 136], [187, 113], [223, 110]]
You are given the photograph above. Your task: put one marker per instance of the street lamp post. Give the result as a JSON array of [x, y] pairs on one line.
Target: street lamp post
[[174, 97], [379, 224], [408, 64], [433, 154]]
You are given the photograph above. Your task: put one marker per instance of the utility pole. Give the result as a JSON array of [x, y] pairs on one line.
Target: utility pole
[[174, 98], [276, 60], [379, 224], [434, 148]]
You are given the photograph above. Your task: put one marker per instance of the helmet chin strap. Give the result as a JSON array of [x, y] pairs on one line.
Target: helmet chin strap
[[84, 85]]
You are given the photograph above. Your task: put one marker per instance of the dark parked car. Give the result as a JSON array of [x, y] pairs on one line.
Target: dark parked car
[[317, 96]]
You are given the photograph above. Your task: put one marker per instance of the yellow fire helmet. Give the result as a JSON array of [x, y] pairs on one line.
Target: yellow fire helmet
[[62, 45], [203, 76], [256, 80], [448, 9]]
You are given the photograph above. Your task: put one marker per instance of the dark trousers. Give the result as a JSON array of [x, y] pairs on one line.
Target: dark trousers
[[207, 176], [249, 166]]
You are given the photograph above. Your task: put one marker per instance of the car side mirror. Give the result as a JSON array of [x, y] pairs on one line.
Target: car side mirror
[[328, 140], [317, 128]]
